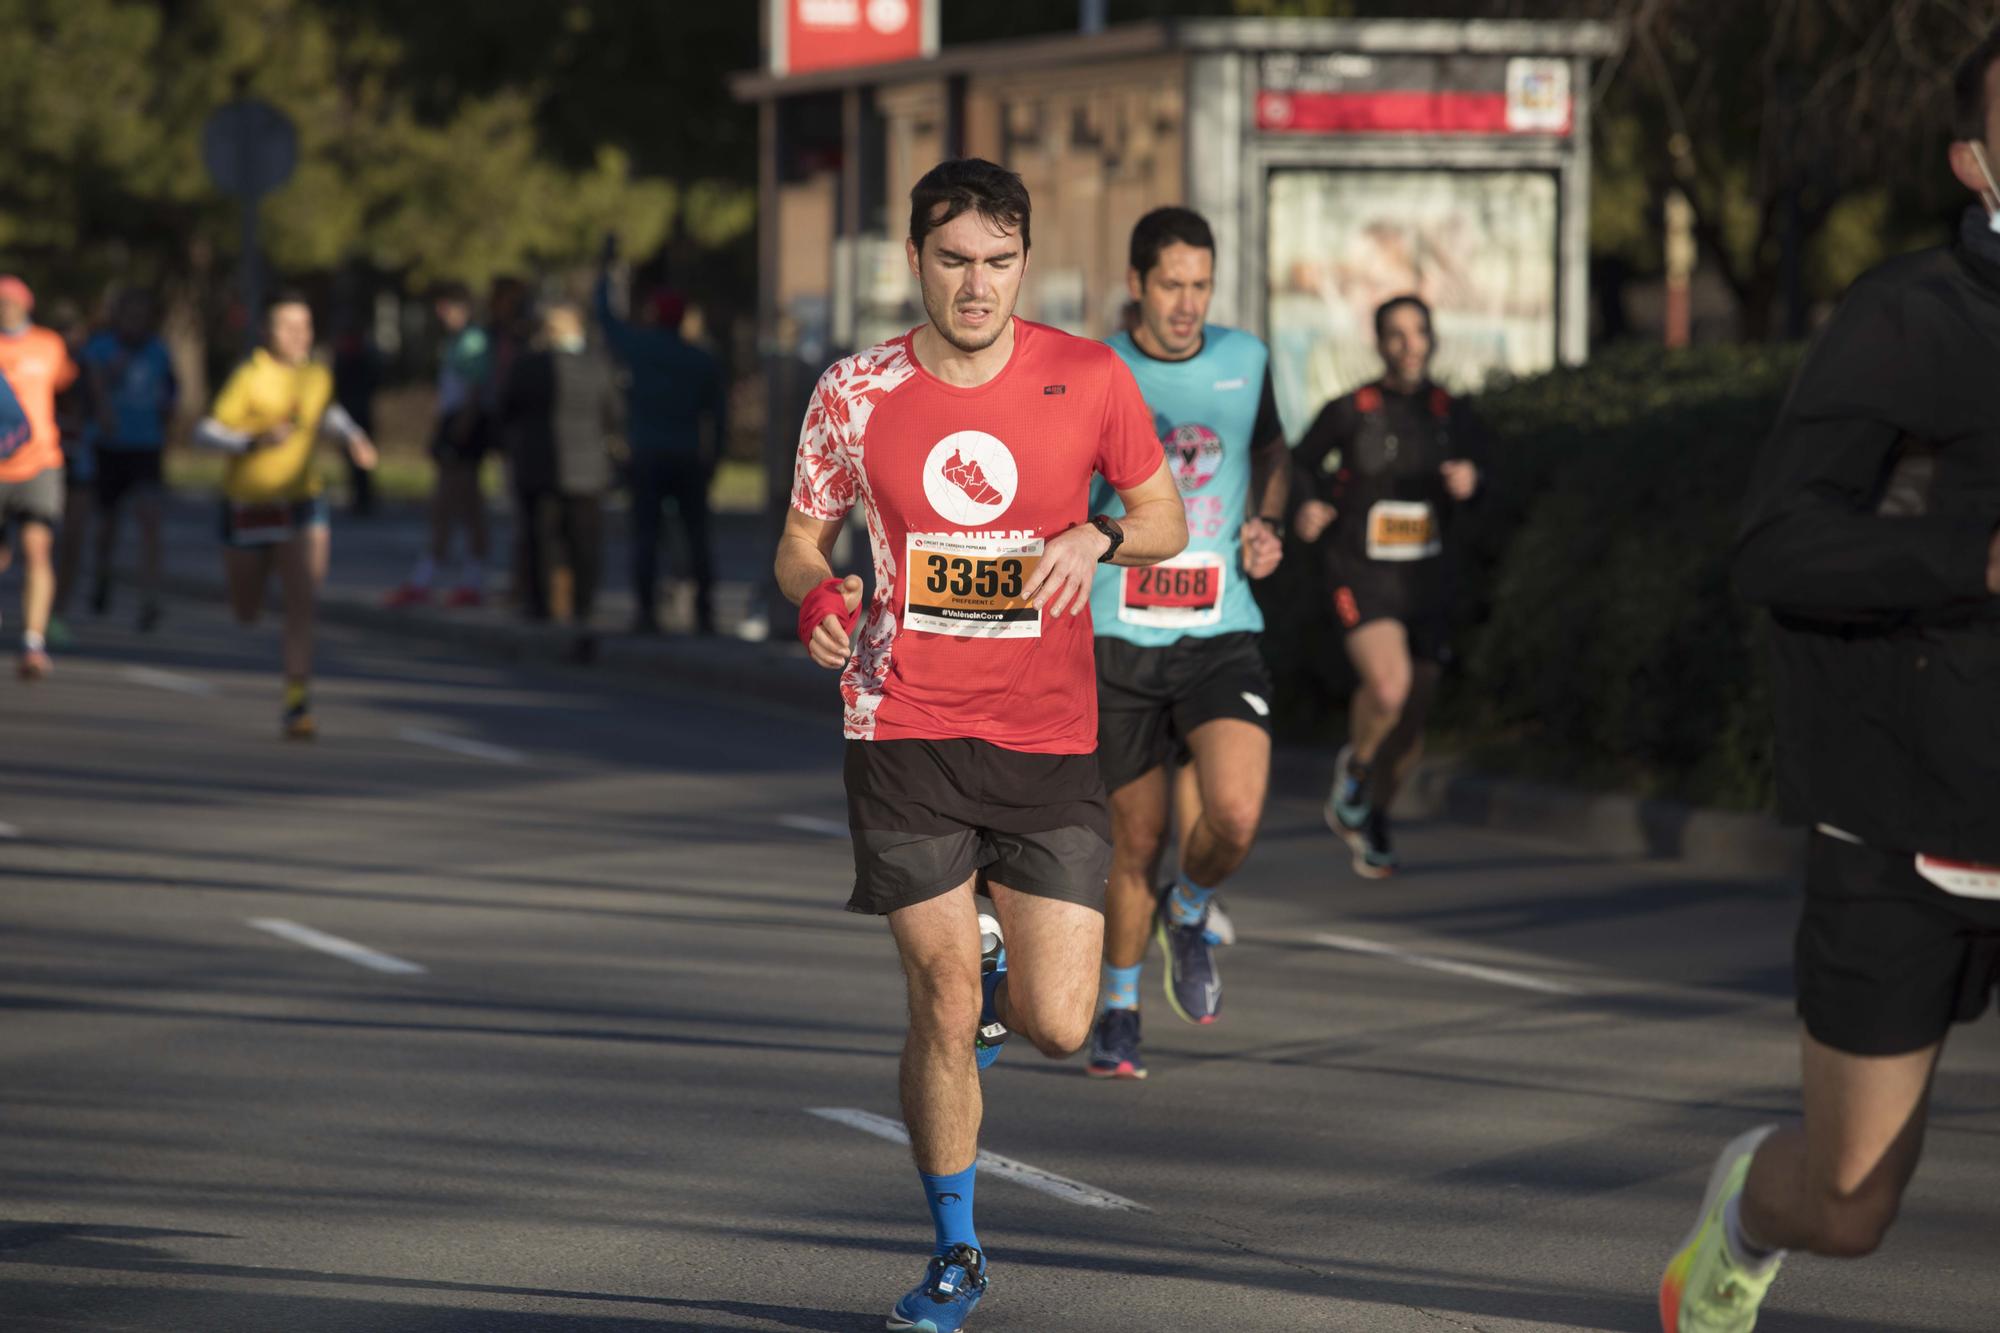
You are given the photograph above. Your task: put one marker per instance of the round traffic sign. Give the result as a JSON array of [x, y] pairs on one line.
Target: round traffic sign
[[250, 147]]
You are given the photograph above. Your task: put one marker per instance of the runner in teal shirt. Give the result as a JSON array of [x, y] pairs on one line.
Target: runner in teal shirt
[[1183, 698]]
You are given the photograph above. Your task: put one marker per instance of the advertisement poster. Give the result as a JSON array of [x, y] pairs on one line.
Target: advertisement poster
[[1479, 246]]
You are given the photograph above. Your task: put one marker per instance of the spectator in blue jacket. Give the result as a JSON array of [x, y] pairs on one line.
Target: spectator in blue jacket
[[675, 424]]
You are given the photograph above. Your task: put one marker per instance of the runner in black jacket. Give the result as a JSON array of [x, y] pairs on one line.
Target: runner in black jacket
[[1871, 535], [1384, 470]]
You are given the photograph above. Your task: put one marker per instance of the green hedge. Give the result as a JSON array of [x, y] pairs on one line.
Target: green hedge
[[1599, 641]]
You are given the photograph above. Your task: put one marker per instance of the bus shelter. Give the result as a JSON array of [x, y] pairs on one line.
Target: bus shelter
[[1340, 162]]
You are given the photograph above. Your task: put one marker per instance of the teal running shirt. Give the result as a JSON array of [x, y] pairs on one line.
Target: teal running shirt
[[1211, 411]]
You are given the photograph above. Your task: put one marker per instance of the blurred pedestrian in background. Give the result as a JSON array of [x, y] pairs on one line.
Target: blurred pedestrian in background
[[73, 428], [562, 406], [676, 424], [510, 335], [37, 366], [357, 377], [458, 446], [133, 395]]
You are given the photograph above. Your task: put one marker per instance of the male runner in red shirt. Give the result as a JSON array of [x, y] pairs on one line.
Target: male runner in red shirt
[[971, 699]]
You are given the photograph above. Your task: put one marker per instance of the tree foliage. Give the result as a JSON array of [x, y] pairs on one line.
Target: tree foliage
[[103, 174]]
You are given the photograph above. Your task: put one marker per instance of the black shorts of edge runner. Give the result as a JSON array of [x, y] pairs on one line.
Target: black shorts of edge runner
[[1150, 699], [929, 815], [1414, 595], [1885, 961]]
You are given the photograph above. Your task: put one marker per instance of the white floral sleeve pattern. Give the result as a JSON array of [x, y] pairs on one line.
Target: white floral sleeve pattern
[[829, 478]]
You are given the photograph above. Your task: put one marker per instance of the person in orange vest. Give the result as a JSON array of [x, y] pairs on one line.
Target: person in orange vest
[[36, 364]]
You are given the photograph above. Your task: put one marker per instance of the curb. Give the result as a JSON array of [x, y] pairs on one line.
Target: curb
[[1609, 825]]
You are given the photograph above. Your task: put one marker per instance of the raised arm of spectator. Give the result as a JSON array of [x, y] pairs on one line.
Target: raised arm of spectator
[[617, 333], [1815, 542]]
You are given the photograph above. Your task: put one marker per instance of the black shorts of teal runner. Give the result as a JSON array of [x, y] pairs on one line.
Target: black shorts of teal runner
[[1149, 700]]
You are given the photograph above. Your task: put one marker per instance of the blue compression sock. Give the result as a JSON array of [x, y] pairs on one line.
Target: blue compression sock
[[950, 1200], [1121, 986], [1188, 902]]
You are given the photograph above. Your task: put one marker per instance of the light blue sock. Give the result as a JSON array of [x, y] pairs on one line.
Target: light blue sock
[[1121, 986], [1188, 903], [950, 1200]]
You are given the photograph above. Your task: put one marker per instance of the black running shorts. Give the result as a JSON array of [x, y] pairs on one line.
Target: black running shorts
[[929, 815], [121, 472], [1413, 595], [1885, 961], [1150, 699]]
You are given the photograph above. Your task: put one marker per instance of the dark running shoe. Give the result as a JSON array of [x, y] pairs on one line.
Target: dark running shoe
[[1114, 1046]]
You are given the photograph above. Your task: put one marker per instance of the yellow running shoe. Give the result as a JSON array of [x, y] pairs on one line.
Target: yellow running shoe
[[1704, 1289]]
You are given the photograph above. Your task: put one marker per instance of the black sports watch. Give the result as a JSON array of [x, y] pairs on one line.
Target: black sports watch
[[1109, 527]]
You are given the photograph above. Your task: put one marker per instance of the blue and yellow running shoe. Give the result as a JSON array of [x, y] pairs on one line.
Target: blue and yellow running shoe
[[992, 1033], [1194, 987], [1705, 1290], [943, 1301]]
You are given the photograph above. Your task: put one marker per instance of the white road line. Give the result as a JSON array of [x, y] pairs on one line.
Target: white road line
[[832, 828], [472, 749], [1497, 975], [990, 1164], [333, 944], [170, 680]]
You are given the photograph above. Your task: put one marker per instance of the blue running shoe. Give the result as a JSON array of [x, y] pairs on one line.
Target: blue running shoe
[[1193, 987], [1347, 804], [1114, 1046], [943, 1301], [992, 1033]]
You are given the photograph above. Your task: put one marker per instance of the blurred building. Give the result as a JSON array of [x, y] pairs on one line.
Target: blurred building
[[1340, 161]]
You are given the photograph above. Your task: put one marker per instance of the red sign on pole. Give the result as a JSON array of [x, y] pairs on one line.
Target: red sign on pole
[[831, 34]]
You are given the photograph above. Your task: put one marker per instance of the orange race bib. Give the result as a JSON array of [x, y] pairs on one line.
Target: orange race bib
[[1182, 593], [1402, 530], [970, 583]]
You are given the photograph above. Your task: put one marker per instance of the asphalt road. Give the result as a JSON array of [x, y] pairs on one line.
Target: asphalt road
[[591, 1109]]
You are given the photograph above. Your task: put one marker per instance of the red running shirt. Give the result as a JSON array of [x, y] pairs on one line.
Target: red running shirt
[[960, 488]]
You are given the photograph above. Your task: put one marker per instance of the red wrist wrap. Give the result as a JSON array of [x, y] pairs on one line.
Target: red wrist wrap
[[828, 599]]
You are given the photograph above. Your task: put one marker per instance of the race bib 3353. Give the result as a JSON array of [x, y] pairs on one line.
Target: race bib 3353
[[970, 583]]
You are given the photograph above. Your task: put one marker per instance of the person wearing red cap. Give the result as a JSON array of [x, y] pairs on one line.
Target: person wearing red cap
[[37, 365], [676, 423]]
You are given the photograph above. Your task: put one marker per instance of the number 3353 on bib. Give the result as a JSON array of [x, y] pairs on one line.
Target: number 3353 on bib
[[970, 584]]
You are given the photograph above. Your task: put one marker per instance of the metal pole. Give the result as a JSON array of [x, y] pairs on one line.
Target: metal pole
[[253, 300], [1091, 15]]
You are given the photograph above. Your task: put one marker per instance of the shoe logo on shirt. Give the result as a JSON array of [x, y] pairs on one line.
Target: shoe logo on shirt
[[970, 478], [1051, 390], [1194, 452], [1224, 386], [1257, 704]]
